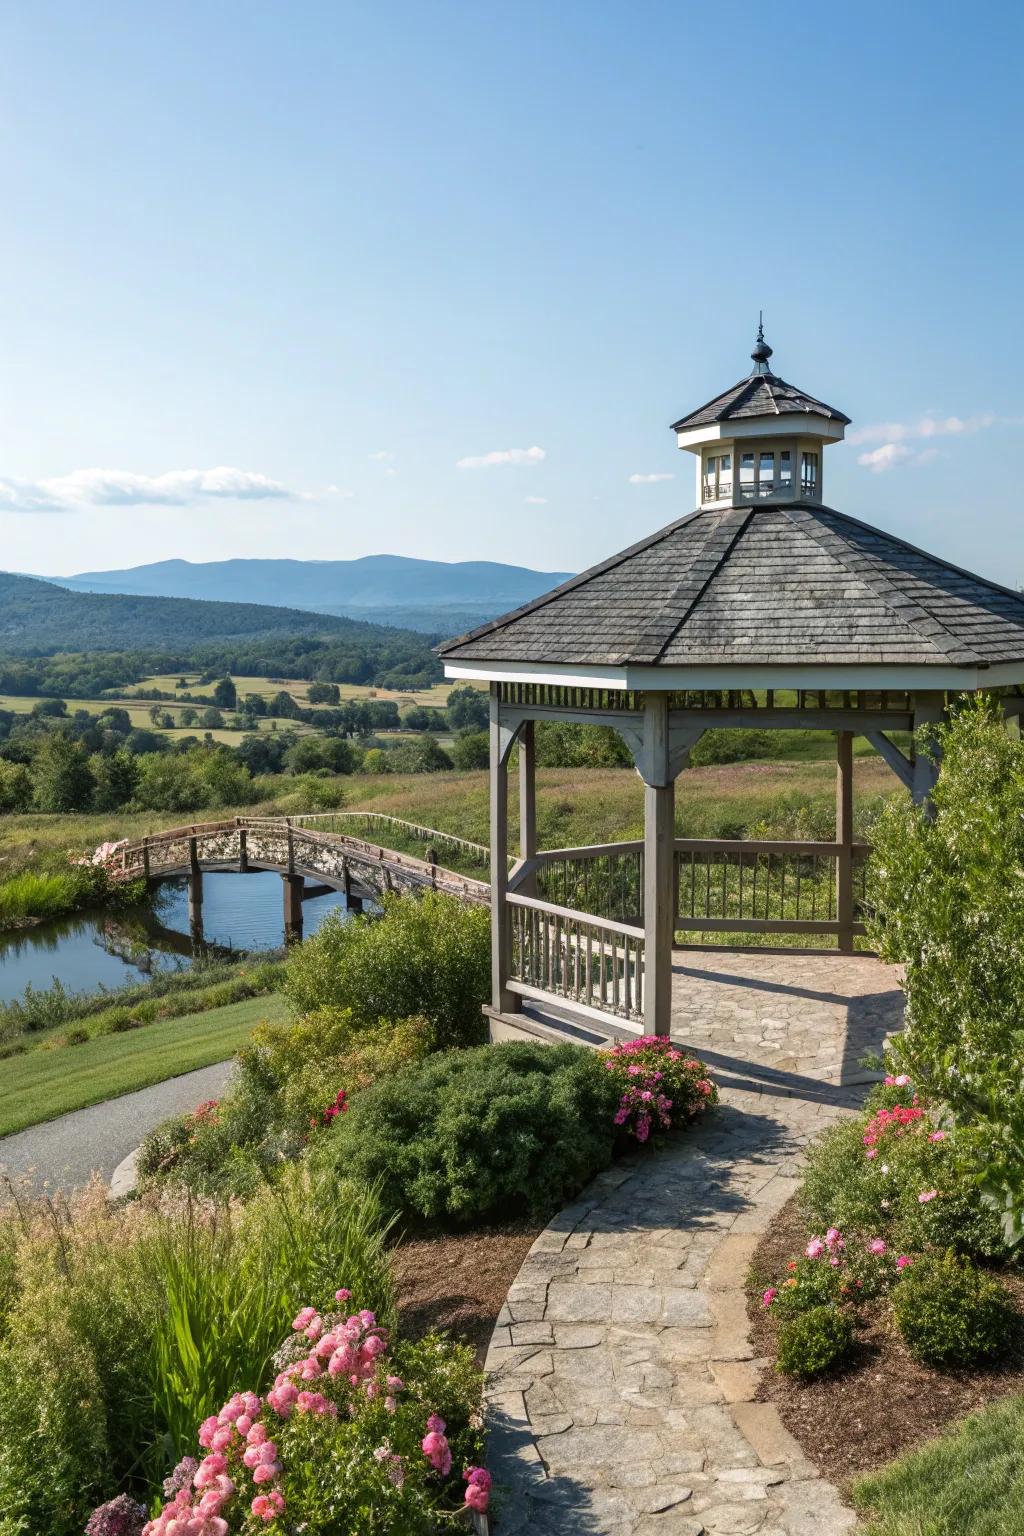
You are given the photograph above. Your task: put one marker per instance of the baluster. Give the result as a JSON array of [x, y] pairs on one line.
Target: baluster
[[626, 987], [603, 994], [615, 975], [588, 967]]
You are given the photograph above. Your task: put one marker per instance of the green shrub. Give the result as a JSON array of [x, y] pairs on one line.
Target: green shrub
[[949, 906], [471, 1134], [949, 1313], [427, 955], [813, 1341]]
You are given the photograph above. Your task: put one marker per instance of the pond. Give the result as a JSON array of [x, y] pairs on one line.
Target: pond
[[100, 948]]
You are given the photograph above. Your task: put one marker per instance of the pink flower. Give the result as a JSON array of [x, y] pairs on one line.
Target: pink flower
[[266, 1505], [902, 1081], [343, 1295], [926, 1195], [871, 1152], [833, 1240], [815, 1248], [937, 1136], [903, 1262], [769, 1296], [436, 1449], [877, 1246], [478, 1488]]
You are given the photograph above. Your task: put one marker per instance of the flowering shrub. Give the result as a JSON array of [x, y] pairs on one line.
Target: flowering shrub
[[833, 1272], [355, 1434], [118, 1517], [658, 1084]]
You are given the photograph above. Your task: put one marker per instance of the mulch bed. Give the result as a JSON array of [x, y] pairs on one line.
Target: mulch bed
[[458, 1282], [883, 1403]]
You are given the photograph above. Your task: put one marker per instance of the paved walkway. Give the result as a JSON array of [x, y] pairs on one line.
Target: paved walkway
[[623, 1376], [63, 1153]]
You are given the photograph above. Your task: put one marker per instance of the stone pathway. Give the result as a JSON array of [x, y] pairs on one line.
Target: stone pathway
[[623, 1379]]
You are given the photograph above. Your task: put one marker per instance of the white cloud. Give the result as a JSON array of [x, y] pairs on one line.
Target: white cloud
[[503, 456], [648, 479], [536, 501], [885, 457], [124, 488], [382, 457], [389, 474], [896, 437]]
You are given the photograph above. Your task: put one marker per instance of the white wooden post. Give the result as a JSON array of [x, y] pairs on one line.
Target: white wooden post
[[659, 867], [527, 801], [844, 837], [501, 999]]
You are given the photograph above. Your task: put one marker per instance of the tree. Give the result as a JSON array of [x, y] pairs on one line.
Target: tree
[[224, 695], [468, 709], [255, 704], [187, 716], [116, 779], [211, 719], [948, 904], [46, 708], [15, 788], [323, 693], [63, 778], [471, 749], [284, 705]]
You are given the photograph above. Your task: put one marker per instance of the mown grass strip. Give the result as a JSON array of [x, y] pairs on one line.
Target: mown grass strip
[[969, 1483], [41, 1085]]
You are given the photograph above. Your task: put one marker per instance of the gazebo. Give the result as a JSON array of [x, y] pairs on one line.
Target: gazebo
[[763, 608]]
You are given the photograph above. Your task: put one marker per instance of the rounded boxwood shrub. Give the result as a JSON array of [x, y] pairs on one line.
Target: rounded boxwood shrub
[[949, 1313], [813, 1341], [499, 1130]]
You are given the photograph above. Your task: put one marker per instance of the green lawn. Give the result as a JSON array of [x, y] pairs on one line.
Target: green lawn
[[44, 1084], [969, 1483]]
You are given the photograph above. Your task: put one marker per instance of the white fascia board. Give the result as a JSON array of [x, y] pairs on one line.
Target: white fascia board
[[677, 679], [791, 424]]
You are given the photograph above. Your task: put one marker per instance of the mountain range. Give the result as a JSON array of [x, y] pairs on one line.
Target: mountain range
[[433, 596]]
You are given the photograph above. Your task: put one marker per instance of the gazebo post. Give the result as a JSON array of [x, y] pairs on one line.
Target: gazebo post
[[659, 866], [528, 801], [844, 838], [501, 999], [929, 709]]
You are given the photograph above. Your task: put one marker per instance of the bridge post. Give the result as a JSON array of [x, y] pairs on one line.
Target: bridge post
[[293, 885], [291, 848], [195, 891], [145, 857], [243, 851]]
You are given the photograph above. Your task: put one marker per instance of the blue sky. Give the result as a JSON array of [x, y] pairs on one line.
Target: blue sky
[[270, 272]]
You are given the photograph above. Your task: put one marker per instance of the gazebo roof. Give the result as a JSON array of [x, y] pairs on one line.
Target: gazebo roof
[[761, 394], [761, 590]]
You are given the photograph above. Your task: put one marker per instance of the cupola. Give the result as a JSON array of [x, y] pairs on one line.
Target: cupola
[[761, 441]]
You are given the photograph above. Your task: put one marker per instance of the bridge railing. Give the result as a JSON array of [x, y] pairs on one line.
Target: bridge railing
[[455, 850]]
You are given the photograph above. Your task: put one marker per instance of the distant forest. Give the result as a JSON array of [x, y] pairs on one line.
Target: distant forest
[[78, 644]]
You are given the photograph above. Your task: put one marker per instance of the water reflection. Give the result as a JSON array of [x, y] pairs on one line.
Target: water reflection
[[100, 949]]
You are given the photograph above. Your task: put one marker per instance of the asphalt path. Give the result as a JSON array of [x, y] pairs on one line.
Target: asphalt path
[[62, 1154]]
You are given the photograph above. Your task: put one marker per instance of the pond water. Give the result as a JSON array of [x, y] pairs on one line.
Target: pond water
[[106, 949]]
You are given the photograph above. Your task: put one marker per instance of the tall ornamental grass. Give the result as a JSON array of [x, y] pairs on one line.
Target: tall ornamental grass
[[121, 1330]]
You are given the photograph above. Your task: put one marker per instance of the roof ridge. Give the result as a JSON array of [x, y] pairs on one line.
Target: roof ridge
[[579, 580], [719, 541], [868, 569]]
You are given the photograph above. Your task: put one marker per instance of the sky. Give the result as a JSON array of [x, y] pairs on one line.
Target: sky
[[324, 280]]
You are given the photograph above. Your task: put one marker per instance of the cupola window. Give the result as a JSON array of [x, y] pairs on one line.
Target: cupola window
[[809, 475], [717, 476]]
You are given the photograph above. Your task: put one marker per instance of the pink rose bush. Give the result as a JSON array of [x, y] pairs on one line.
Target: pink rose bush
[[342, 1442], [660, 1085]]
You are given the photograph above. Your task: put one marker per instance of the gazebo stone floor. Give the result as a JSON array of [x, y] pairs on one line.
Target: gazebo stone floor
[[622, 1376]]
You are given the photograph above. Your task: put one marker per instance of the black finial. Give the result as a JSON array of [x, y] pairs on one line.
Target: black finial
[[762, 351]]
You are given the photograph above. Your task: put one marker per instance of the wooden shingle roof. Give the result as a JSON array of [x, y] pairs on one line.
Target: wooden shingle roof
[[762, 394], [767, 586]]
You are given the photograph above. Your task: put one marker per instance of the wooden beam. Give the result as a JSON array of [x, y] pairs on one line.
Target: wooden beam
[[501, 998], [659, 867], [901, 765], [929, 710], [527, 803], [844, 838]]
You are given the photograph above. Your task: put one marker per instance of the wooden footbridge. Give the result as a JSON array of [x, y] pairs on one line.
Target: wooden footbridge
[[313, 854]]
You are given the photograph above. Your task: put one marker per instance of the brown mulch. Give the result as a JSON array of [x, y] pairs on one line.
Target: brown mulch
[[884, 1402], [458, 1282]]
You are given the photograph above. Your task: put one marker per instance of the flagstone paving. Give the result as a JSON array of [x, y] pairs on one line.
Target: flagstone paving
[[622, 1376]]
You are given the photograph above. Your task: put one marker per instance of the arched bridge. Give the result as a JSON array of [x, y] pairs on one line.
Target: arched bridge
[[323, 849]]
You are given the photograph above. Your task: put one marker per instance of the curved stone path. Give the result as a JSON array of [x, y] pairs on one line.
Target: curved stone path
[[622, 1377]]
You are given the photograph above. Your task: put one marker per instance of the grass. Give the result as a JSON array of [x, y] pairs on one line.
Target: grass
[[41, 1085], [969, 1483], [41, 894]]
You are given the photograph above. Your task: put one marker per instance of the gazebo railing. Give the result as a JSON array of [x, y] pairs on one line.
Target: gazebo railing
[[722, 885], [594, 963]]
